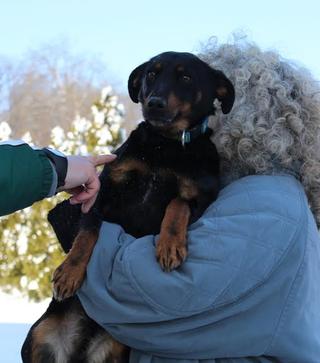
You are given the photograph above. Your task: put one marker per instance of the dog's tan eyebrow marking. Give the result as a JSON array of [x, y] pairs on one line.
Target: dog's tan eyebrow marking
[[158, 66], [180, 68]]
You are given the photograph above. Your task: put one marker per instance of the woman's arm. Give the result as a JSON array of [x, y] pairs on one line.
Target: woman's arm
[[226, 299], [26, 176]]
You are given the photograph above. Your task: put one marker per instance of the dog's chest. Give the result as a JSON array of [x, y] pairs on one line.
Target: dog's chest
[[151, 163], [146, 176], [143, 179]]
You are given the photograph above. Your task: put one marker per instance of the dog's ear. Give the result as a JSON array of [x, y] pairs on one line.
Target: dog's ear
[[224, 91], [134, 82]]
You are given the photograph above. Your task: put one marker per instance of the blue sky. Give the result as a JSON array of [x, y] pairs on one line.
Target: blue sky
[[126, 33]]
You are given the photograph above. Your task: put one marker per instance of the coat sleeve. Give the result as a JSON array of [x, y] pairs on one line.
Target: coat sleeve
[[26, 176], [226, 299]]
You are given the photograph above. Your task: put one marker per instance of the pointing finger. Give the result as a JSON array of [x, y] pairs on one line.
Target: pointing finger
[[102, 159]]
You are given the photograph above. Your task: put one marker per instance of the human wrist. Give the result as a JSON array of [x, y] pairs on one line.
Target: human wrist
[[60, 163]]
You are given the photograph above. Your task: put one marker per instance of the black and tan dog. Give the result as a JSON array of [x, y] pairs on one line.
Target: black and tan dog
[[165, 176]]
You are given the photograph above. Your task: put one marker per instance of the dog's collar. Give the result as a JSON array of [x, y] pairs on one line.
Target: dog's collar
[[188, 136]]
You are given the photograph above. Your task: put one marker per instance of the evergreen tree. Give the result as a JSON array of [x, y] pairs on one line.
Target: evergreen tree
[[29, 251]]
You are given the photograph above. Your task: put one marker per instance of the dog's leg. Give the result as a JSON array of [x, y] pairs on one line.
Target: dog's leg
[[102, 348], [55, 339], [69, 276], [172, 247]]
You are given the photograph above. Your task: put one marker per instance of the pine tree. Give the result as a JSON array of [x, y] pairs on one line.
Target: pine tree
[[29, 251]]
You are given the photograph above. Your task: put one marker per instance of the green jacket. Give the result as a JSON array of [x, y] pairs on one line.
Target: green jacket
[[26, 176]]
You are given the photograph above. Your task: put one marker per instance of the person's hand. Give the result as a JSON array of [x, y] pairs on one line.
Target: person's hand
[[82, 179]]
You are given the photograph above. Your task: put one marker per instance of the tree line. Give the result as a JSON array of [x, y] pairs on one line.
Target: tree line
[[57, 98]]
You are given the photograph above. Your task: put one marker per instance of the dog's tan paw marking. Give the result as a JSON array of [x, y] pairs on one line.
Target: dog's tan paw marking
[[171, 254], [67, 279]]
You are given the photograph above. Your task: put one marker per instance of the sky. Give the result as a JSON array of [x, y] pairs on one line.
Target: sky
[[126, 33]]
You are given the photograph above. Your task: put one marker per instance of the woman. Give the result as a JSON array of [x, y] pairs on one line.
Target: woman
[[249, 290]]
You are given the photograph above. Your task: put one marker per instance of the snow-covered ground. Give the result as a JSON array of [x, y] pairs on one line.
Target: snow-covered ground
[[16, 316], [11, 339], [16, 309]]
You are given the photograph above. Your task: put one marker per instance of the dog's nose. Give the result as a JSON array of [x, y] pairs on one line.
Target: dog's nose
[[156, 103]]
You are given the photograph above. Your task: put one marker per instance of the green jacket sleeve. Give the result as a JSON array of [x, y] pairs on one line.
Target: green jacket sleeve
[[26, 176]]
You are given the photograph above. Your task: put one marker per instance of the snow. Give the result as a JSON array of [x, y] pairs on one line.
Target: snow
[[16, 309]]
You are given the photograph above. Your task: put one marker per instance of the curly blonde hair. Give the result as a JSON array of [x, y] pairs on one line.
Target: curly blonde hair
[[274, 125]]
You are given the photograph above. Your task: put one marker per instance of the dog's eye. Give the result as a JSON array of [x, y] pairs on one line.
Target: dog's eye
[[151, 76], [186, 78]]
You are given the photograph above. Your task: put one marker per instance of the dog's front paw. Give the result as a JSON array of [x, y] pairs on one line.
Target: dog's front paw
[[171, 253], [67, 279]]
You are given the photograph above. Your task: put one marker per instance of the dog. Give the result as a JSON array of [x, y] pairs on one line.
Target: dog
[[169, 167]]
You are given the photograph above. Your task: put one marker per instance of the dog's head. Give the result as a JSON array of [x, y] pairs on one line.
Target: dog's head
[[177, 90]]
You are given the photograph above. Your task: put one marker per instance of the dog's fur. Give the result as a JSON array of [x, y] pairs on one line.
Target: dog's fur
[[153, 172]]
